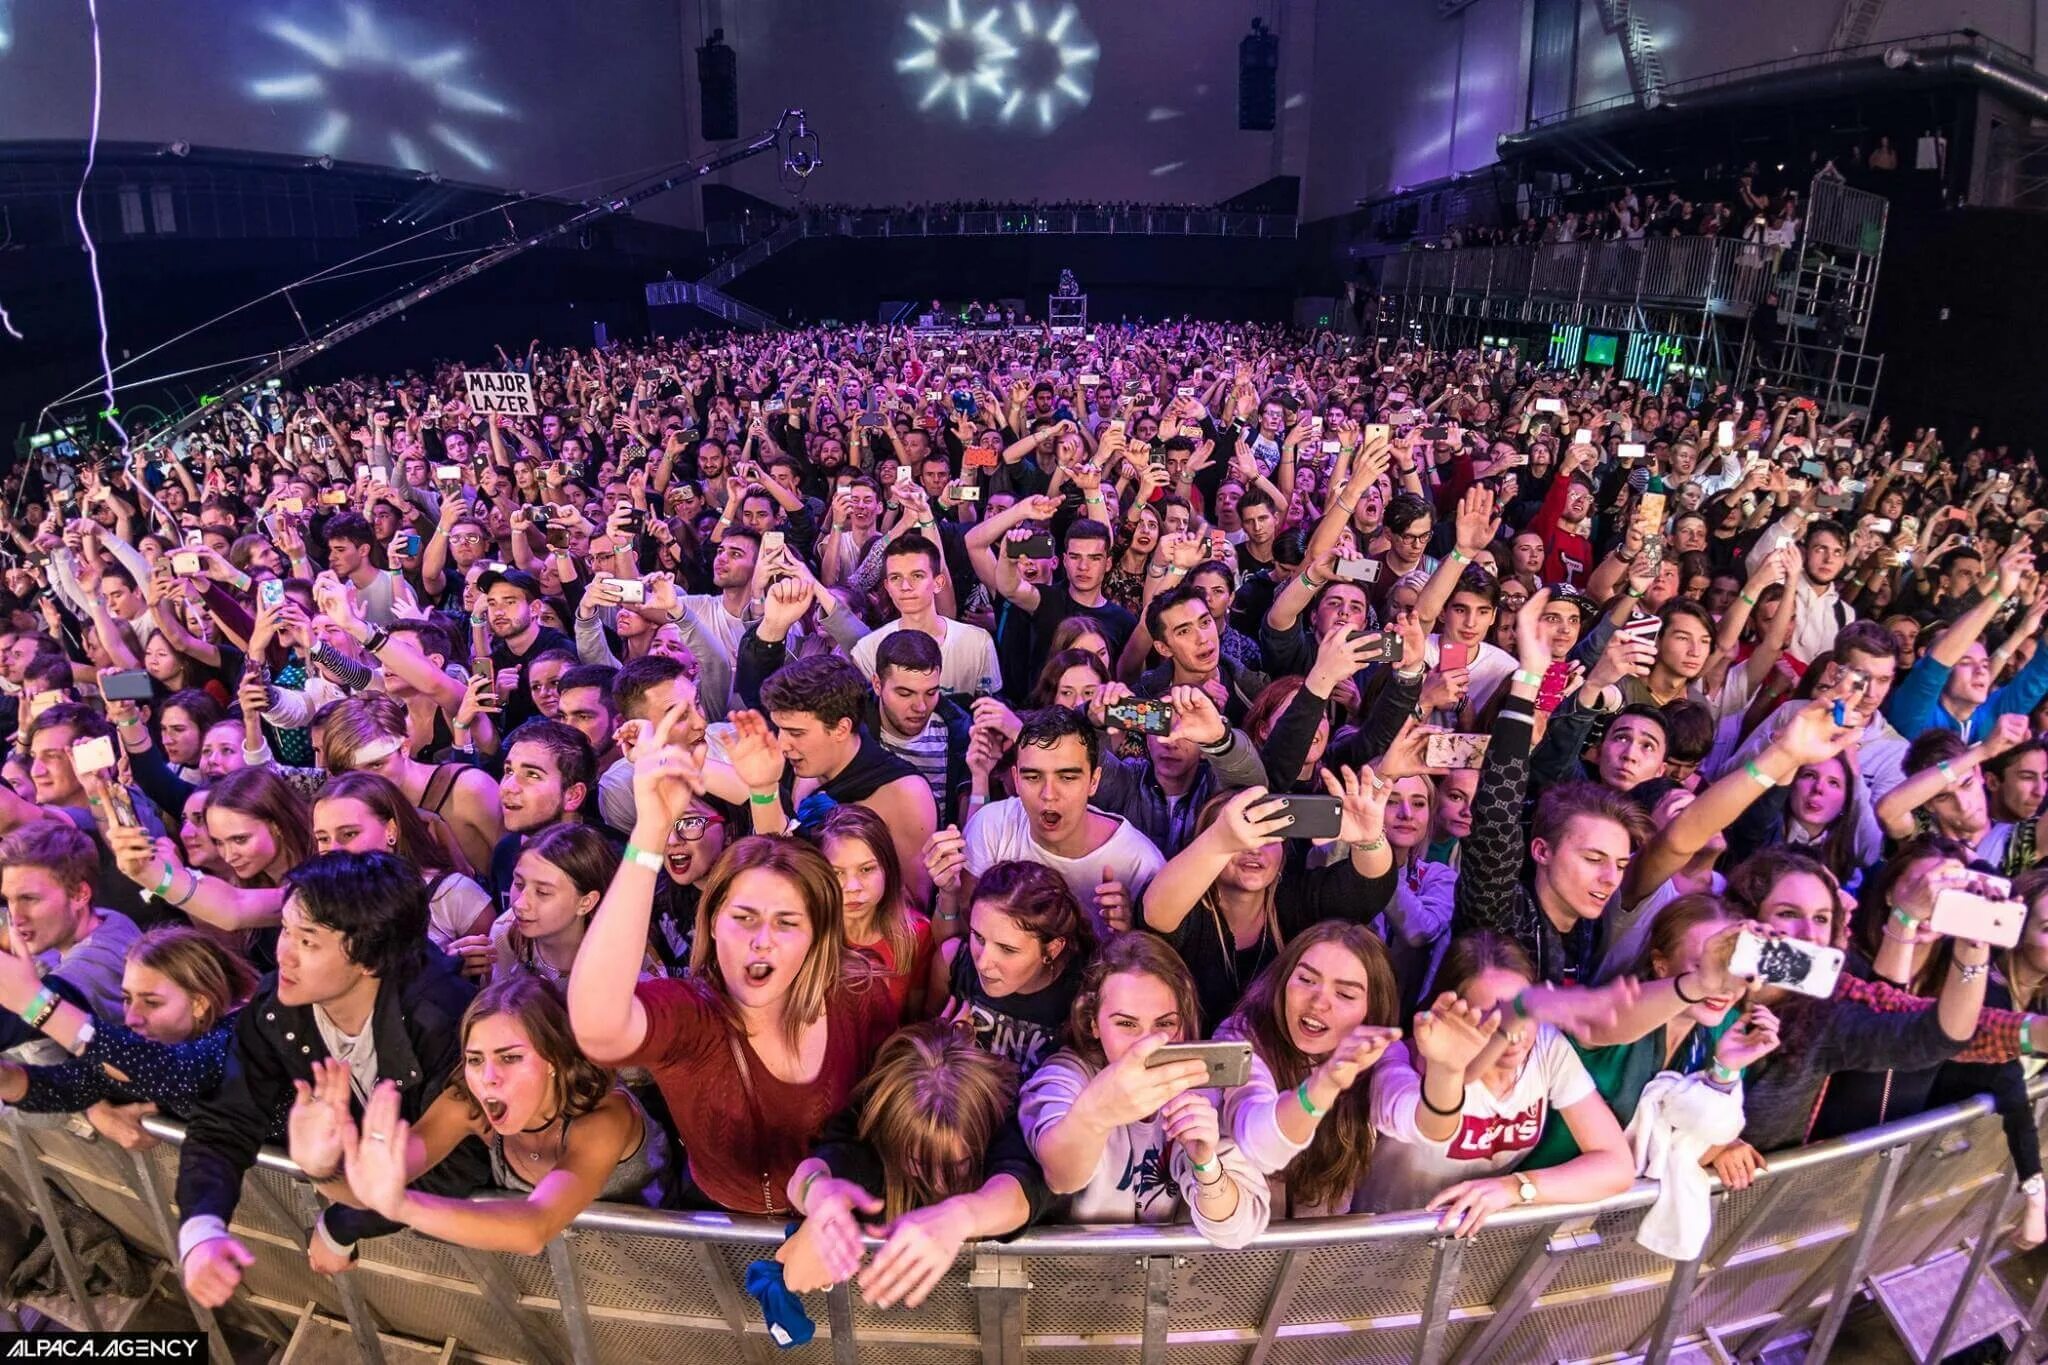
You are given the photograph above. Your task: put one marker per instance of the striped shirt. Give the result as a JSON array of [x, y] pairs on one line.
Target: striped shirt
[[925, 751]]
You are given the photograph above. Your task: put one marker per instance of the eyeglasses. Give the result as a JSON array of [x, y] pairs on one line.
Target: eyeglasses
[[464, 537], [690, 828], [1411, 537]]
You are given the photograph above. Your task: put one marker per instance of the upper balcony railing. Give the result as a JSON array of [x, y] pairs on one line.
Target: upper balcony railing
[[1721, 273]]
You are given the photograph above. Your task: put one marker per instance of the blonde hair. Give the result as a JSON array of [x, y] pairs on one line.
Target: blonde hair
[[932, 1090], [214, 976]]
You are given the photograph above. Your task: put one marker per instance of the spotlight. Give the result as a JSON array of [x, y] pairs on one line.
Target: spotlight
[[180, 148], [1898, 58], [325, 163]]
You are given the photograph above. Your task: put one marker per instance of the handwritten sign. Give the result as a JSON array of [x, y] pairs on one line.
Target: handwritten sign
[[501, 391]]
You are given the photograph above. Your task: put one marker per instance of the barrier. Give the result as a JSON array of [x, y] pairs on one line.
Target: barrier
[[1928, 1196], [1722, 273]]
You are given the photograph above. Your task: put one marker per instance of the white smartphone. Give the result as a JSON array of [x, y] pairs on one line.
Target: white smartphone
[[1960, 913], [1359, 570], [628, 589], [1724, 435], [1632, 450], [1881, 525], [1332, 447], [1808, 968], [92, 755], [184, 563], [967, 492], [1555, 405], [1583, 436]]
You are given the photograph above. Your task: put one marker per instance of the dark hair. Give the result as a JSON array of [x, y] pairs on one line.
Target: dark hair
[[1156, 609], [1691, 610], [1477, 582], [1874, 903], [1049, 725], [632, 683], [1257, 497], [430, 636], [1567, 801], [1472, 954], [599, 676], [1866, 637], [579, 1085], [910, 651], [198, 705], [575, 760], [261, 794], [1825, 526], [1648, 711], [1931, 747], [352, 527], [1141, 954], [911, 543], [82, 720], [375, 901], [1996, 767], [824, 685], [1056, 666], [59, 847], [1087, 528], [1689, 730], [1403, 510]]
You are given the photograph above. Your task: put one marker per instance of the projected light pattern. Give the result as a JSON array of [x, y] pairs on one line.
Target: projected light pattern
[[1009, 64], [381, 95]]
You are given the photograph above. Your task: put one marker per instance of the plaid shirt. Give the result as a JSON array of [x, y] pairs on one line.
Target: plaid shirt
[[1997, 1038]]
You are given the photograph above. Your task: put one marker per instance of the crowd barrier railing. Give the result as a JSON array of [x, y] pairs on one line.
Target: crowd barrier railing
[[1785, 1257]]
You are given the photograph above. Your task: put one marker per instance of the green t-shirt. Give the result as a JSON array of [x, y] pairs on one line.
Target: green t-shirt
[[1619, 1073]]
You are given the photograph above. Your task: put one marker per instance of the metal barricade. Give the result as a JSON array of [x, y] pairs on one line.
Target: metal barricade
[[631, 1284]]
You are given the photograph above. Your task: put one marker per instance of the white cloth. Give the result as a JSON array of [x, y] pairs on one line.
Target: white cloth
[[1677, 1120], [967, 656], [1000, 832]]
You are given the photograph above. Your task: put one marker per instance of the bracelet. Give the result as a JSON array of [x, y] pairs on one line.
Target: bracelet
[[40, 1007], [1948, 774], [1440, 1113], [1528, 679], [1307, 581], [1996, 594], [1902, 919], [1759, 776], [1458, 556], [1637, 593], [1308, 1106], [1971, 971], [763, 798], [1747, 599], [1679, 991], [191, 891], [803, 1191], [130, 723], [1373, 847], [162, 890], [640, 857], [1724, 1075], [1205, 1184]]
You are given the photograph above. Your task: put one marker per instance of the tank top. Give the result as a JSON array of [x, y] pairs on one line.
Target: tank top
[[1024, 1028], [641, 1177]]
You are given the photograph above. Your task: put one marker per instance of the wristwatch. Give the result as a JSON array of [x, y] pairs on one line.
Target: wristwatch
[[1524, 1186]]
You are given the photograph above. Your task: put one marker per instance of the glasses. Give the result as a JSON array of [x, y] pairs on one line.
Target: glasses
[[1411, 537], [690, 828], [465, 538]]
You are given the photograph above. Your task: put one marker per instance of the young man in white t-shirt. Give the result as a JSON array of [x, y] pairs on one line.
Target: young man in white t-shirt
[[1102, 857], [913, 570]]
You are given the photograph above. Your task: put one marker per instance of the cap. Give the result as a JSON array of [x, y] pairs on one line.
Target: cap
[[518, 578], [1561, 592]]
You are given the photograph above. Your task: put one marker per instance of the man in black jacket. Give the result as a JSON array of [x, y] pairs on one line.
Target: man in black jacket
[[357, 980]]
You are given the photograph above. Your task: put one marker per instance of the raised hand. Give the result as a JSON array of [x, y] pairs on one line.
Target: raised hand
[[1127, 1090], [1751, 1040], [1452, 1033], [1113, 902], [1364, 794], [753, 751], [945, 857], [319, 1115], [1355, 1054]]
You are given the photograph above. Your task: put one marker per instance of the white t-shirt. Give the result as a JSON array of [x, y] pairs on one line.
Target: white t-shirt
[[1000, 832], [1494, 1134], [967, 656], [1490, 667]]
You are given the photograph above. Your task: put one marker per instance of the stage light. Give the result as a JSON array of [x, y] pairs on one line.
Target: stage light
[[349, 61], [1022, 62]]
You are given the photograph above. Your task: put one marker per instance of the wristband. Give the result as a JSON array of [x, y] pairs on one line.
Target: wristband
[[1759, 776], [1375, 846], [130, 723], [1520, 1008], [1458, 556], [1679, 991], [40, 1007], [1308, 1106], [1996, 594], [1309, 582], [2026, 1035], [762, 798], [1724, 1075], [1904, 920], [1948, 774], [1637, 593], [1528, 679], [162, 890], [1747, 599], [640, 857]]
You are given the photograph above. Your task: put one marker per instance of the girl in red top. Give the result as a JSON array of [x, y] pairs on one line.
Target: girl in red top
[[776, 1022], [879, 925]]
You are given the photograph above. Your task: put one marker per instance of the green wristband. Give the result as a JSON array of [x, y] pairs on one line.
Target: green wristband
[[762, 798]]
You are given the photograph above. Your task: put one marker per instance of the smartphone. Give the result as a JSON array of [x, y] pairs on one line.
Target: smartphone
[[1229, 1063], [120, 805], [1912, 466], [184, 563], [1037, 545], [1795, 964], [1881, 525], [334, 497], [1583, 436], [1643, 629], [872, 419], [1960, 913], [295, 506], [1185, 391], [773, 542], [411, 544], [127, 684], [1332, 447], [1089, 381], [1653, 551], [92, 755], [1650, 512], [628, 589], [1315, 817], [1452, 656], [1454, 750], [967, 492], [1813, 469], [1631, 450], [1555, 405], [270, 592], [1724, 435], [1378, 431], [448, 473], [1359, 570], [1137, 713], [904, 474], [1550, 694]]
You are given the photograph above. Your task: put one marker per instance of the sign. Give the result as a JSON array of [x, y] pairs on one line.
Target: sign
[[501, 391]]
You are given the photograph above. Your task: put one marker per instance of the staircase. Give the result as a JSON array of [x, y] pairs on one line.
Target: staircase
[[1855, 23], [1638, 50], [704, 297]]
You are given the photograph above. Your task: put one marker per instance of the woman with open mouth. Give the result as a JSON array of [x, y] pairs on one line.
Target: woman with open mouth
[[1010, 983], [556, 885], [776, 1023], [560, 1129], [1318, 1018], [695, 842]]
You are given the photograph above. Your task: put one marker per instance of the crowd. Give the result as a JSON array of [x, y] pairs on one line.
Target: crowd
[[919, 786]]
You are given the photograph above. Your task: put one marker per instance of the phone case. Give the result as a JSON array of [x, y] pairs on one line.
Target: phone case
[[1145, 717], [1315, 817], [1454, 750], [1550, 695], [1229, 1063], [1807, 968]]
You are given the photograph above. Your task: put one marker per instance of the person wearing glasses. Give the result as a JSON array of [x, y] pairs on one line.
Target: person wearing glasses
[[459, 541], [696, 840], [1409, 525]]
